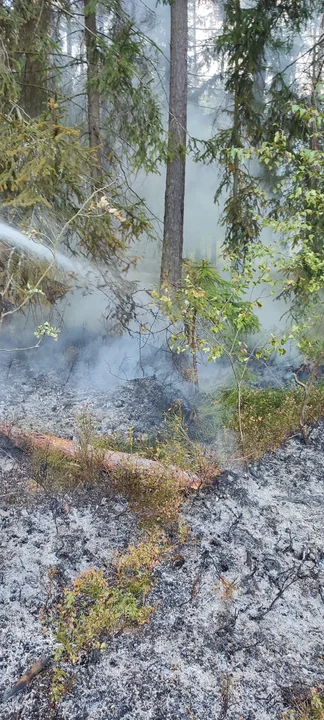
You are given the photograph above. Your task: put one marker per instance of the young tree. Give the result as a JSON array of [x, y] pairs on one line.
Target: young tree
[[252, 39], [176, 165]]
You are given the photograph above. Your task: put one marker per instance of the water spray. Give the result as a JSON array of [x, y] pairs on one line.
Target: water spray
[[12, 236]]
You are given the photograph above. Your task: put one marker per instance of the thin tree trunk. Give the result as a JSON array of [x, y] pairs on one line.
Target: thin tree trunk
[[176, 167], [236, 111], [90, 23], [69, 52]]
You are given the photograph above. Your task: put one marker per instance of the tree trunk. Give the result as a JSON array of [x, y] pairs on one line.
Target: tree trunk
[[34, 92], [92, 55], [176, 167], [236, 110]]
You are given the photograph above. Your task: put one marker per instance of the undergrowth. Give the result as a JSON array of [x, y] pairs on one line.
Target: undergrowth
[[311, 708], [157, 497], [268, 415], [52, 471], [98, 604], [172, 446]]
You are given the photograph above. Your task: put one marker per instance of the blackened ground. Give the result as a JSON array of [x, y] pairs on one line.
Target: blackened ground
[[238, 625], [43, 404]]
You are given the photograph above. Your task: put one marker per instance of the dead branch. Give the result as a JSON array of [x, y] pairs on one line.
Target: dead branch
[[112, 461], [38, 667]]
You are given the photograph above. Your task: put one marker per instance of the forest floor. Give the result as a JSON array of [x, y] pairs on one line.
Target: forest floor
[[237, 626]]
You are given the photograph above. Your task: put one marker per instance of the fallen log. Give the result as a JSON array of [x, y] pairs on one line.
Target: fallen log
[[112, 461]]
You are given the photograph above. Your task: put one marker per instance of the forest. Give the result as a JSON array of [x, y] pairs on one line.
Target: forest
[[161, 359]]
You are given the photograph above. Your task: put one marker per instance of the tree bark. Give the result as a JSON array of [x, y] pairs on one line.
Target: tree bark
[[176, 167], [34, 91], [92, 55], [112, 461]]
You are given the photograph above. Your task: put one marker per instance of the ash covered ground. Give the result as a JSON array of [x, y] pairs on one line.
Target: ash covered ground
[[238, 625], [48, 388]]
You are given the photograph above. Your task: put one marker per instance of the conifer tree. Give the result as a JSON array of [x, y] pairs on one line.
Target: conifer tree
[[47, 166]]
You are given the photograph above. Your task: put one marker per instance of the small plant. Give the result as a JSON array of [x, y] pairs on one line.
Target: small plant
[[175, 446], [311, 708], [209, 314], [61, 684], [155, 498], [54, 471], [225, 589], [89, 458]]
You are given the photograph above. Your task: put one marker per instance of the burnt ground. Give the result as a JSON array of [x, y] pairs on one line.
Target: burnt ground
[[238, 625]]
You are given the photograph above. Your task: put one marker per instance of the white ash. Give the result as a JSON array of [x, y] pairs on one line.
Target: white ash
[[204, 654]]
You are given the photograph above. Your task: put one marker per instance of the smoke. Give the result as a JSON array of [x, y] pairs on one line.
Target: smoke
[[94, 350]]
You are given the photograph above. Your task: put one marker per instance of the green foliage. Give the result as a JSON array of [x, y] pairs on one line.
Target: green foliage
[[43, 164], [47, 329], [46, 169], [37, 155], [126, 81], [61, 684], [300, 209], [97, 605], [175, 446], [211, 312]]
